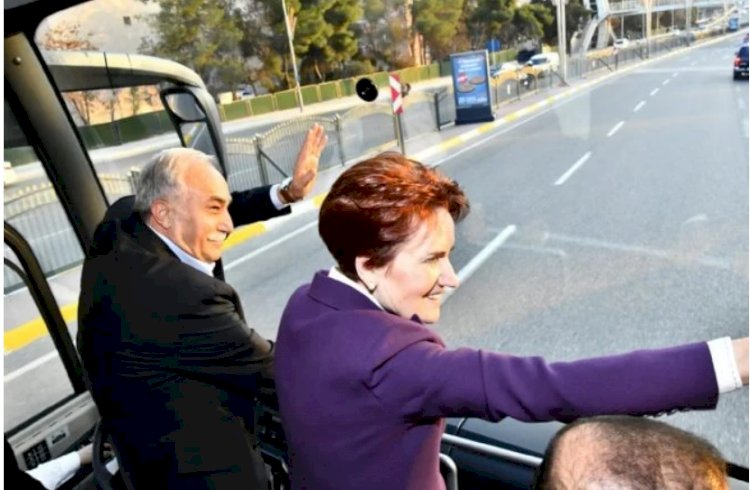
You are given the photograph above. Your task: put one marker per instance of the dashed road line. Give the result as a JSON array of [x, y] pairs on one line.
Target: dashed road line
[[475, 263], [572, 169], [615, 129]]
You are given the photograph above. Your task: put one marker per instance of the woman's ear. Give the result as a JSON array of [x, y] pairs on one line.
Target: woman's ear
[[367, 276]]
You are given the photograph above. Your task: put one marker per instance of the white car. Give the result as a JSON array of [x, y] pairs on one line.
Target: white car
[[506, 67], [621, 43], [545, 62]]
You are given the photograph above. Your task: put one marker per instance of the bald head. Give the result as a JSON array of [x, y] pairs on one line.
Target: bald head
[[629, 453]]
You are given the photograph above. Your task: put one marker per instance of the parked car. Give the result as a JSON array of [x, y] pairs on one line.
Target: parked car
[[621, 43], [740, 62], [545, 62], [525, 55], [504, 68]]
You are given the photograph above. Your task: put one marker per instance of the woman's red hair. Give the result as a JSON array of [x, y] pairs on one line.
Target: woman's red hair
[[377, 204]]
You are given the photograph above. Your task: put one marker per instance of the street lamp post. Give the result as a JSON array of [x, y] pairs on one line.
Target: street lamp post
[[294, 59], [648, 28], [561, 39]]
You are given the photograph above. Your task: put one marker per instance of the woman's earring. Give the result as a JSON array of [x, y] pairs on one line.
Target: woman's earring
[[371, 288]]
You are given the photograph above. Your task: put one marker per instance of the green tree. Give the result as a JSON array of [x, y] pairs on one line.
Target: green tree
[[384, 36], [437, 21], [576, 17], [487, 18], [323, 37], [201, 35], [264, 46], [528, 23]]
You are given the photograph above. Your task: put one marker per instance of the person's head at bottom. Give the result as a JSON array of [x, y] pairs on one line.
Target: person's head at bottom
[[183, 196], [389, 223], [629, 453]]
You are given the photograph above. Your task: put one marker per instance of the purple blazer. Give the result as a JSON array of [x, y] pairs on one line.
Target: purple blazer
[[363, 392]]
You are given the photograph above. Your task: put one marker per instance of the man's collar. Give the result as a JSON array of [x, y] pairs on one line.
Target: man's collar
[[186, 258]]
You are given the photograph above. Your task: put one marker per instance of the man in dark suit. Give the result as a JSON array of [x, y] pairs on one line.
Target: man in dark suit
[[173, 367]]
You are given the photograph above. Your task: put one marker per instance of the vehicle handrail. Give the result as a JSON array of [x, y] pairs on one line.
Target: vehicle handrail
[[487, 449], [451, 479]]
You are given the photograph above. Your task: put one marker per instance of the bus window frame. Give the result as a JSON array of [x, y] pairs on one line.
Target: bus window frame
[[30, 271]]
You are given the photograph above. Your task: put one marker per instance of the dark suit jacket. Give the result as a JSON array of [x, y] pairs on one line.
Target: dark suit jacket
[[363, 392], [173, 367]]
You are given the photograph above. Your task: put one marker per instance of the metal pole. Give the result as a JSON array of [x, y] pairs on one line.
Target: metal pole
[[294, 59], [561, 40], [400, 133], [648, 28]]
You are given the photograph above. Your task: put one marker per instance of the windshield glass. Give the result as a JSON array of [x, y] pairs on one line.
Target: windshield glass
[[609, 194]]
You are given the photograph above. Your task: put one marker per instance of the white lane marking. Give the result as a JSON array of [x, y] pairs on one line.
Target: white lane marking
[[653, 252], [615, 129], [674, 75], [469, 269], [740, 104], [654, 92], [695, 219], [269, 246], [572, 169], [638, 107], [30, 366], [665, 82]]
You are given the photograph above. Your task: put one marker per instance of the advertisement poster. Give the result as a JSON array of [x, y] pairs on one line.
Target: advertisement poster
[[471, 87]]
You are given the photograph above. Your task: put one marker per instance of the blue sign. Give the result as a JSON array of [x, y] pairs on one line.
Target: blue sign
[[493, 45], [471, 87]]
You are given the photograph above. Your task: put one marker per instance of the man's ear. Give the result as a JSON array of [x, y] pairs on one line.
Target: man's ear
[[161, 214], [367, 275]]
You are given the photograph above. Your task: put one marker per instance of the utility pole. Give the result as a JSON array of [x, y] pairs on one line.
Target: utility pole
[[291, 52], [648, 28], [562, 39]]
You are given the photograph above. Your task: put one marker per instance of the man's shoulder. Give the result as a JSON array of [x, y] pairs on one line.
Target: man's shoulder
[[126, 250]]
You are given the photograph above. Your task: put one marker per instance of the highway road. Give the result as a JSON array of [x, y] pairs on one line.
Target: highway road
[[614, 220]]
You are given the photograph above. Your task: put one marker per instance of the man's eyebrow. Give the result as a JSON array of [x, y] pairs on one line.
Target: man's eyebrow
[[220, 200]]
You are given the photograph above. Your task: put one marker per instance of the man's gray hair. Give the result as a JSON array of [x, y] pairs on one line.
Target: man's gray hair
[[160, 177]]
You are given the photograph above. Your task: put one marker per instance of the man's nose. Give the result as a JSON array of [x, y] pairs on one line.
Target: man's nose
[[226, 225]]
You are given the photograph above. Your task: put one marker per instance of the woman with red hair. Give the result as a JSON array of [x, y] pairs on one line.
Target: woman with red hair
[[364, 385]]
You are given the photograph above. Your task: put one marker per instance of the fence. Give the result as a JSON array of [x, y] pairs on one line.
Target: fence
[[37, 214]]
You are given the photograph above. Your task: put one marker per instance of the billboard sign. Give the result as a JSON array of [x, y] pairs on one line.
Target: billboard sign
[[471, 87]]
